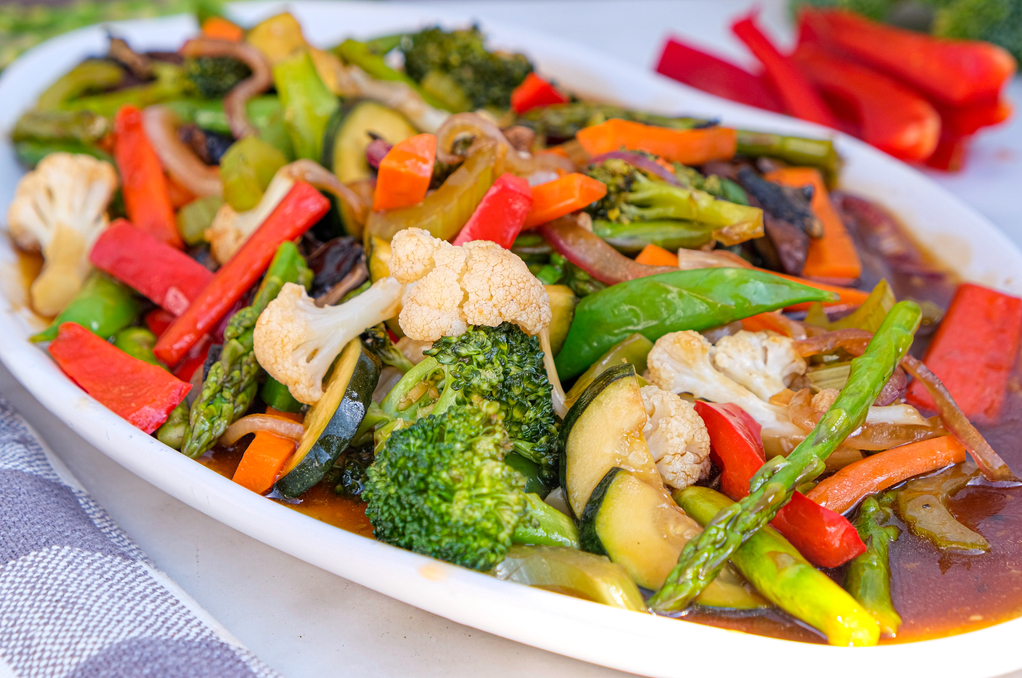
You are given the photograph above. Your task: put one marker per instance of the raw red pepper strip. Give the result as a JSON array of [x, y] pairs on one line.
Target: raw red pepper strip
[[713, 75], [955, 72], [142, 393], [501, 213], [973, 352], [824, 537], [797, 94], [166, 276], [143, 184], [297, 212], [893, 117], [535, 92], [158, 320]]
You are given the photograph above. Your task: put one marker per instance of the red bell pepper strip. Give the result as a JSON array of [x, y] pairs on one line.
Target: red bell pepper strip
[[713, 75], [143, 183], [950, 153], [797, 94], [826, 538], [561, 197], [535, 92], [302, 207], [974, 351], [501, 213], [193, 360], [404, 173], [965, 120], [166, 276], [955, 72], [158, 320], [142, 393], [893, 117]]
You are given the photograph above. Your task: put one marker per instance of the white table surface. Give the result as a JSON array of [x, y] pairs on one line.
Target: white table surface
[[304, 622]]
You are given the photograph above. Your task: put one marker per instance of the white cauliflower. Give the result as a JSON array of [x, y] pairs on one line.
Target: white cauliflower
[[763, 362], [450, 288], [230, 229], [677, 437], [59, 208], [297, 341], [681, 362]]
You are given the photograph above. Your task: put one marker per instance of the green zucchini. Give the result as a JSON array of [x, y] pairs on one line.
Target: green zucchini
[[575, 573], [348, 134], [602, 430], [641, 528], [332, 423]]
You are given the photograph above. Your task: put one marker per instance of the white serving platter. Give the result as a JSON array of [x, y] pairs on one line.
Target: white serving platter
[[638, 643]]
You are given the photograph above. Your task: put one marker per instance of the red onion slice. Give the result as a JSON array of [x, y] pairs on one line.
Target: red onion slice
[[253, 423], [639, 161]]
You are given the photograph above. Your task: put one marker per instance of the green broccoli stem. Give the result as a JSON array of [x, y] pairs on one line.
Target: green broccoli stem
[[771, 488], [655, 200], [543, 525], [398, 402], [231, 384], [869, 576]]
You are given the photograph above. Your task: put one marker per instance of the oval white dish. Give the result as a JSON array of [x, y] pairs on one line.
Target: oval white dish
[[632, 642]]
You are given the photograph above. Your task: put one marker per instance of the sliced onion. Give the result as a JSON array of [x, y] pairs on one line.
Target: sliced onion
[[318, 176], [253, 423], [557, 393], [989, 462], [692, 259], [376, 151], [257, 83], [593, 255], [178, 159], [353, 81], [474, 125], [870, 437], [639, 161], [853, 341]]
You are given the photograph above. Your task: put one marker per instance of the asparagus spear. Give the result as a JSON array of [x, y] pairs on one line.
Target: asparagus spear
[[771, 488], [869, 576], [231, 383], [786, 579], [817, 153]]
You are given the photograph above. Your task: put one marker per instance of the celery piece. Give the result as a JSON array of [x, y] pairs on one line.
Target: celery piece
[[308, 103]]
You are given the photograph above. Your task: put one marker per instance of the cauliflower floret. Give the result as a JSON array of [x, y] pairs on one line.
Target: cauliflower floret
[[60, 209], [763, 362], [297, 341], [230, 229], [452, 287], [676, 436], [681, 362]]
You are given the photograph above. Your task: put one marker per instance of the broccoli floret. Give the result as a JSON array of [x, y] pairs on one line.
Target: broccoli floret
[[505, 365], [378, 341], [560, 271], [441, 488], [214, 77], [348, 475], [457, 67]]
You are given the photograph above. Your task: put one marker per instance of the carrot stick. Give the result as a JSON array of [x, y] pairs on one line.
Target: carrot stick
[[143, 184], [687, 146], [561, 197], [654, 255], [771, 321], [405, 173], [876, 473], [219, 28], [178, 194], [265, 456], [834, 255]]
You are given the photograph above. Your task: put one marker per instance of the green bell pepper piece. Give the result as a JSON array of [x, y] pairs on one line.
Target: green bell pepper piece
[[246, 170], [194, 218], [669, 302], [103, 306], [308, 103]]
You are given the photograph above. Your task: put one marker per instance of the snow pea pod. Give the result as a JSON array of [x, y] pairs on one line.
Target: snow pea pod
[[103, 306], [669, 302], [138, 342]]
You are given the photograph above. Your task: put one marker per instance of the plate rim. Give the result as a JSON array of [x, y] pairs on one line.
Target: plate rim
[[530, 616]]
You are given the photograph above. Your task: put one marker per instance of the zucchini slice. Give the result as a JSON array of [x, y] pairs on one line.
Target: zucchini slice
[[332, 422], [344, 149], [639, 527], [576, 573], [562, 308], [603, 430]]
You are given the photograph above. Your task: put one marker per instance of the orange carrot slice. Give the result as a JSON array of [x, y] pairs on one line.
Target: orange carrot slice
[[405, 172], [687, 146], [876, 473], [563, 196], [654, 255], [219, 28]]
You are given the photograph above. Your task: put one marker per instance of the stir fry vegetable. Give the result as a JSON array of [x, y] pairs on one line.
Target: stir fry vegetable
[[528, 339]]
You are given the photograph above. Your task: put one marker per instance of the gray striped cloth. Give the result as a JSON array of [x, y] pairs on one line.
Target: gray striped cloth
[[77, 597]]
